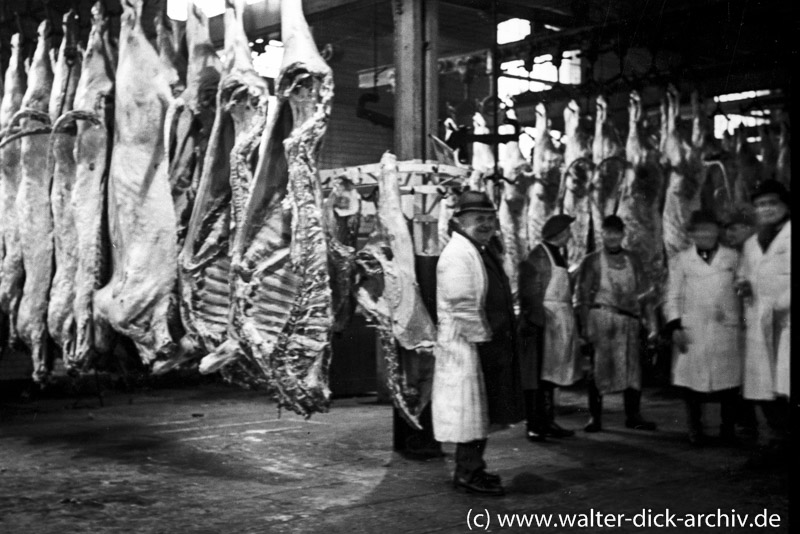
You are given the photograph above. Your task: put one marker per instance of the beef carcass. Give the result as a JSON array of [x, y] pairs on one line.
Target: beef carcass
[[512, 211], [193, 117], [342, 212], [575, 183], [482, 155], [33, 206], [447, 207], [543, 193], [387, 290], [281, 303], [137, 301], [639, 208], [204, 262], [174, 64], [783, 168], [93, 116], [60, 310], [12, 272], [608, 155], [683, 186], [748, 168], [769, 152]]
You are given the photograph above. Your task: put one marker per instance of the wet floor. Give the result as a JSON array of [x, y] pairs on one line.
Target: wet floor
[[216, 459]]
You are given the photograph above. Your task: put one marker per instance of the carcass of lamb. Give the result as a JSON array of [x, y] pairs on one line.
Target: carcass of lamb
[[11, 271], [193, 117], [93, 115], [281, 310], [60, 311], [543, 193], [33, 206], [137, 301], [342, 212], [575, 183], [608, 155], [225, 180], [387, 290], [639, 208]]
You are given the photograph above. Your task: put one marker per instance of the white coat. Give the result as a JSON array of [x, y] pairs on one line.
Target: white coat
[[459, 402], [703, 296], [767, 314]]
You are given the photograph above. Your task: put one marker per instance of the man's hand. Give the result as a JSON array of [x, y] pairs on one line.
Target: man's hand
[[680, 340]]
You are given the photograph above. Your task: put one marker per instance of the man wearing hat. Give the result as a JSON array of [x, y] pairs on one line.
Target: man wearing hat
[[475, 380], [703, 319], [549, 355], [607, 289], [765, 285]]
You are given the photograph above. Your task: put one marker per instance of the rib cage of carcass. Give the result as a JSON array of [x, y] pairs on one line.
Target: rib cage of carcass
[[281, 297]]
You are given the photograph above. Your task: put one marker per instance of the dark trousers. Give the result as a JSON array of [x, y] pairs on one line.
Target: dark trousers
[[469, 459], [776, 412], [728, 400]]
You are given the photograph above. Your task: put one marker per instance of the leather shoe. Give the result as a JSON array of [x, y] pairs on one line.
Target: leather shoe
[[535, 435], [557, 431], [492, 477], [638, 423], [593, 426], [480, 485]]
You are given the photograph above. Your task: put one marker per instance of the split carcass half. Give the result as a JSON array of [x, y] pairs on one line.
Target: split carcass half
[[60, 310], [342, 212], [93, 115], [191, 120], [543, 193], [575, 183], [608, 155], [683, 188], [640, 210], [387, 290], [137, 301], [783, 167], [33, 206], [447, 207], [11, 269], [281, 310], [239, 121], [512, 211]]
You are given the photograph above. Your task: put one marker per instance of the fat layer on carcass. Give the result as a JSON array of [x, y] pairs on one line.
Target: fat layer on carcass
[[575, 183], [192, 117], [137, 300], [281, 312], [204, 262], [387, 290], [543, 192], [11, 270], [33, 207], [93, 115], [640, 208], [342, 212], [60, 311], [608, 155]]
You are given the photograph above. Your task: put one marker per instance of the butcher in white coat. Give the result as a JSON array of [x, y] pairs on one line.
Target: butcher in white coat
[[703, 315], [765, 284]]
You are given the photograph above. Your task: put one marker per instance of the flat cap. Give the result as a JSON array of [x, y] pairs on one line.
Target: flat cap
[[771, 187], [702, 217], [555, 225], [473, 201], [613, 222]]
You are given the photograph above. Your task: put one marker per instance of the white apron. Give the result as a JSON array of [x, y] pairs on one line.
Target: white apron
[[702, 295], [560, 362], [615, 336], [767, 315]]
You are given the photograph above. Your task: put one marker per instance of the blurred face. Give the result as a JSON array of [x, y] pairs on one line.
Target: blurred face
[[769, 209], [478, 225], [736, 234], [561, 240], [705, 235], [612, 239]]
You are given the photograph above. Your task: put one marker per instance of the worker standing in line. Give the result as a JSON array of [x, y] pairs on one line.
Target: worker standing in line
[[704, 320], [607, 293], [475, 380], [764, 283], [548, 334]]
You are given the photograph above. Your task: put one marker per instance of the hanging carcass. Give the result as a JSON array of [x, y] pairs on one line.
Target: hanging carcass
[[574, 194], [60, 311], [137, 301], [11, 271], [387, 290], [543, 192], [225, 181], [608, 155]]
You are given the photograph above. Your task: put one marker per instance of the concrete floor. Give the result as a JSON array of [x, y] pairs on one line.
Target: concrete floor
[[216, 459]]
